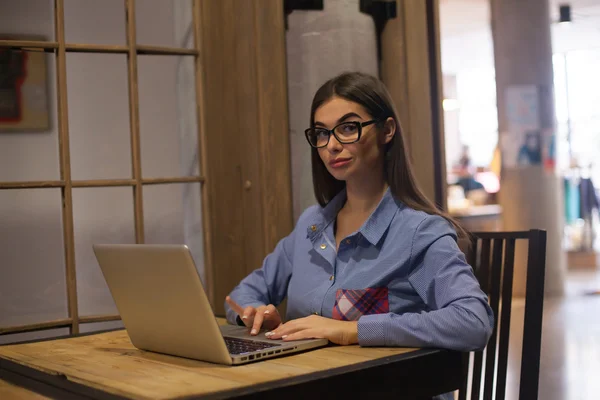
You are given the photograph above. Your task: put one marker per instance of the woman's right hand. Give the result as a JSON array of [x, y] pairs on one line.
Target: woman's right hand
[[255, 318]]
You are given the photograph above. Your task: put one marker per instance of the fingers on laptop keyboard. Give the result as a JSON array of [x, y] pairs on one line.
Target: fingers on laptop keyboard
[[248, 316], [259, 317], [255, 318], [266, 317]]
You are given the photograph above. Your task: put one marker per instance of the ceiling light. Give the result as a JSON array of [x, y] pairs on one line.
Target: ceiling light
[[565, 14]]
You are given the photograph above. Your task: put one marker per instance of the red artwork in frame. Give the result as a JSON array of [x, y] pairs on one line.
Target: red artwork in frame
[[24, 102]]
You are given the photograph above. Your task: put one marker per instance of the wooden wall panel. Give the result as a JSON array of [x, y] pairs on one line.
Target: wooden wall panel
[[436, 48], [394, 69], [407, 70], [273, 122], [245, 97], [248, 138], [224, 155]]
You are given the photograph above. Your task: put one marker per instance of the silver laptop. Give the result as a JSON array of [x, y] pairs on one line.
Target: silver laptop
[[164, 307]]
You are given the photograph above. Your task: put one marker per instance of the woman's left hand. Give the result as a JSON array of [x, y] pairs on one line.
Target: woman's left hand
[[316, 327]]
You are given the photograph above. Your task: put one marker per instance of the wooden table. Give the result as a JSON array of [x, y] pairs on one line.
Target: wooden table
[[107, 366]]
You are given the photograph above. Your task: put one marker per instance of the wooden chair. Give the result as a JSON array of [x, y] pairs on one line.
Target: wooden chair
[[492, 256]]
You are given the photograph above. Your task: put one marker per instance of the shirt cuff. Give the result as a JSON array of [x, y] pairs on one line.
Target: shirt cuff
[[231, 316], [371, 330]]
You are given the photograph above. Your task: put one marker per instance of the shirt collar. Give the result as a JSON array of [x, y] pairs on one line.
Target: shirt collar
[[374, 227], [325, 215], [377, 224]]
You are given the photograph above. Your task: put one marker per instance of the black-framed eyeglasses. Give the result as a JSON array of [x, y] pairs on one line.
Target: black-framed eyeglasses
[[346, 132]]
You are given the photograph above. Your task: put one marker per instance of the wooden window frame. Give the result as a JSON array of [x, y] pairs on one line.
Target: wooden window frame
[[59, 47]]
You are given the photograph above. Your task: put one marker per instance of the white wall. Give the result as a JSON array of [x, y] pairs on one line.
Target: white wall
[[32, 287], [320, 45]]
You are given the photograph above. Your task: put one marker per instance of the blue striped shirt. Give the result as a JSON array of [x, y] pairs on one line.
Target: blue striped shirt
[[434, 298]]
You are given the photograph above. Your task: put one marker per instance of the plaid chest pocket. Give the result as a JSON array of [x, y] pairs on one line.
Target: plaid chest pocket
[[351, 304]]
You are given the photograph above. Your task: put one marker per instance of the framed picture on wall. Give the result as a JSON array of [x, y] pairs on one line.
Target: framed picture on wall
[[24, 104]]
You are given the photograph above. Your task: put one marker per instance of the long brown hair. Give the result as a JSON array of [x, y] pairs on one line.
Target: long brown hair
[[372, 94]]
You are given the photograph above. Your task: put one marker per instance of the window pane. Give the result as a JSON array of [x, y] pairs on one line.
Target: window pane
[[584, 97], [168, 123], [560, 88], [98, 116], [100, 326], [164, 23], [28, 17], [32, 283], [28, 124], [172, 215], [22, 337], [478, 115], [95, 22], [184, 24], [101, 215]]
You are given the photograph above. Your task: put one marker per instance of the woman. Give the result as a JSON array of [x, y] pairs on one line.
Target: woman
[[530, 152], [375, 263]]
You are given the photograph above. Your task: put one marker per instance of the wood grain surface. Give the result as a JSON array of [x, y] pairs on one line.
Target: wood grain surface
[[109, 362]]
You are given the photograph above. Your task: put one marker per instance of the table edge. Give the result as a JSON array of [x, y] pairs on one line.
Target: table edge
[[46, 383], [317, 375]]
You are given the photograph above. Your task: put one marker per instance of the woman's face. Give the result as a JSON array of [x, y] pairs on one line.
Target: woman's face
[[358, 160]]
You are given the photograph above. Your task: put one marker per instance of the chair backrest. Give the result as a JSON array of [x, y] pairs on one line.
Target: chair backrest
[[492, 255]]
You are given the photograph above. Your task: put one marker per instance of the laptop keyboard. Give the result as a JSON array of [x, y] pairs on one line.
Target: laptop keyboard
[[239, 346]]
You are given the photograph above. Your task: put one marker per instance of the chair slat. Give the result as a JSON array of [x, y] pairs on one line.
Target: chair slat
[[477, 368], [482, 273], [483, 270], [471, 254], [507, 288], [462, 391], [471, 257], [534, 308], [495, 282]]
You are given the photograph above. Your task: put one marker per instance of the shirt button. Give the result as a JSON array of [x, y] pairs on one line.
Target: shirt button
[[331, 277], [348, 241], [323, 246], [313, 228]]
